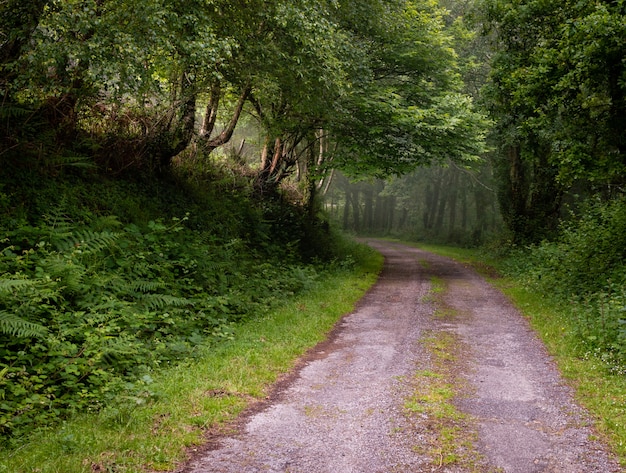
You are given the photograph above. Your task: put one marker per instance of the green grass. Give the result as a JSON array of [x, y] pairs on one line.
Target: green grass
[[600, 391], [194, 396], [449, 435]]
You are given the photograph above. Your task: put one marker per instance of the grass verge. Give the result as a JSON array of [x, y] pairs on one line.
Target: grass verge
[[449, 439], [192, 397], [600, 391]]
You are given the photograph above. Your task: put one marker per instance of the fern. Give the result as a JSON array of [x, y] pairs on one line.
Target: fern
[[158, 301], [60, 225], [70, 276], [11, 324], [139, 269], [106, 221], [144, 286], [72, 161], [12, 111], [8, 285], [88, 241]]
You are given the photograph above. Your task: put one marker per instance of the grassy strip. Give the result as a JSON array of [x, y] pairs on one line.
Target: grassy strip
[[450, 437], [600, 391], [197, 395], [450, 434]]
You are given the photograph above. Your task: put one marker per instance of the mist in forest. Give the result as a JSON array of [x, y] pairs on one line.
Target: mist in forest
[[444, 204]]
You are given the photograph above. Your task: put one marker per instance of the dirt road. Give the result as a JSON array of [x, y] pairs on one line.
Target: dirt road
[[434, 371]]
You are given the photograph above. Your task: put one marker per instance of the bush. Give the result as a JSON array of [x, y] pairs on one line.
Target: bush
[[87, 312], [587, 267]]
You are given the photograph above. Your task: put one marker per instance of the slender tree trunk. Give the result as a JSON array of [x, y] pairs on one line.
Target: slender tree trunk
[[439, 203], [265, 155], [210, 114], [165, 144], [453, 192], [355, 208], [368, 211], [210, 144], [346, 208], [464, 211], [390, 213], [481, 202], [278, 152]]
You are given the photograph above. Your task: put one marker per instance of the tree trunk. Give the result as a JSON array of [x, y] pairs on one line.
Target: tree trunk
[[390, 213], [368, 211], [346, 211], [210, 144], [355, 208], [453, 193], [210, 114]]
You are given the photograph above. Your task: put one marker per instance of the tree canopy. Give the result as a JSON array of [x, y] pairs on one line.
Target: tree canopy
[[152, 79]]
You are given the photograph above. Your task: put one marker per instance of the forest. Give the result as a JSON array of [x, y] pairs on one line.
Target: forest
[[169, 169]]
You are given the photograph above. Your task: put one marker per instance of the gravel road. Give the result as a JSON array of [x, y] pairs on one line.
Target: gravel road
[[345, 410]]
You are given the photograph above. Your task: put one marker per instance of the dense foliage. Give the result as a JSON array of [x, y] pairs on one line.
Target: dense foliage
[[135, 84], [557, 92], [92, 303], [586, 267]]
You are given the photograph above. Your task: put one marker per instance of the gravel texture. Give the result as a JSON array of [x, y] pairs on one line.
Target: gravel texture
[[342, 410]]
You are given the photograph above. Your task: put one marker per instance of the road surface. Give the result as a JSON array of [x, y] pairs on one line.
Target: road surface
[[360, 401]]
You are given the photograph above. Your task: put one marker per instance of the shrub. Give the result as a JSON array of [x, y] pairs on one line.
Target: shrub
[[587, 267], [88, 311]]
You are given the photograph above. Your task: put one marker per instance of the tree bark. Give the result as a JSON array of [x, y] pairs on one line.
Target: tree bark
[[453, 192], [368, 212], [210, 114], [208, 144]]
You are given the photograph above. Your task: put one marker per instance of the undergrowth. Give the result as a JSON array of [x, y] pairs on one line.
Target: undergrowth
[[199, 397], [585, 270], [93, 303]]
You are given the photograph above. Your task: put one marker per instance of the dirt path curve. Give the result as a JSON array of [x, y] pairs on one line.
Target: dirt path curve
[[346, 409]]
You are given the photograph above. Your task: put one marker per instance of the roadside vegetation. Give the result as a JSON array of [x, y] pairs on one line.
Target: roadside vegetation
[[162, 171], [196, 395], [135, 316]]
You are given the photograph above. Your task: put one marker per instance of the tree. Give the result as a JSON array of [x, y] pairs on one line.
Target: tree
[[135, 84], [557, 95], [408, 109]]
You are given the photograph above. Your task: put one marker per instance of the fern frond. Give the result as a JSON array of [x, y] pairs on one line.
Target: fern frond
[[8, 285], [71, 161], [107, 222], [60, 225], [88, 241], [144, 286], [13, 325], [139, 269], [67, 274], [158, 301], [13, 111]]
